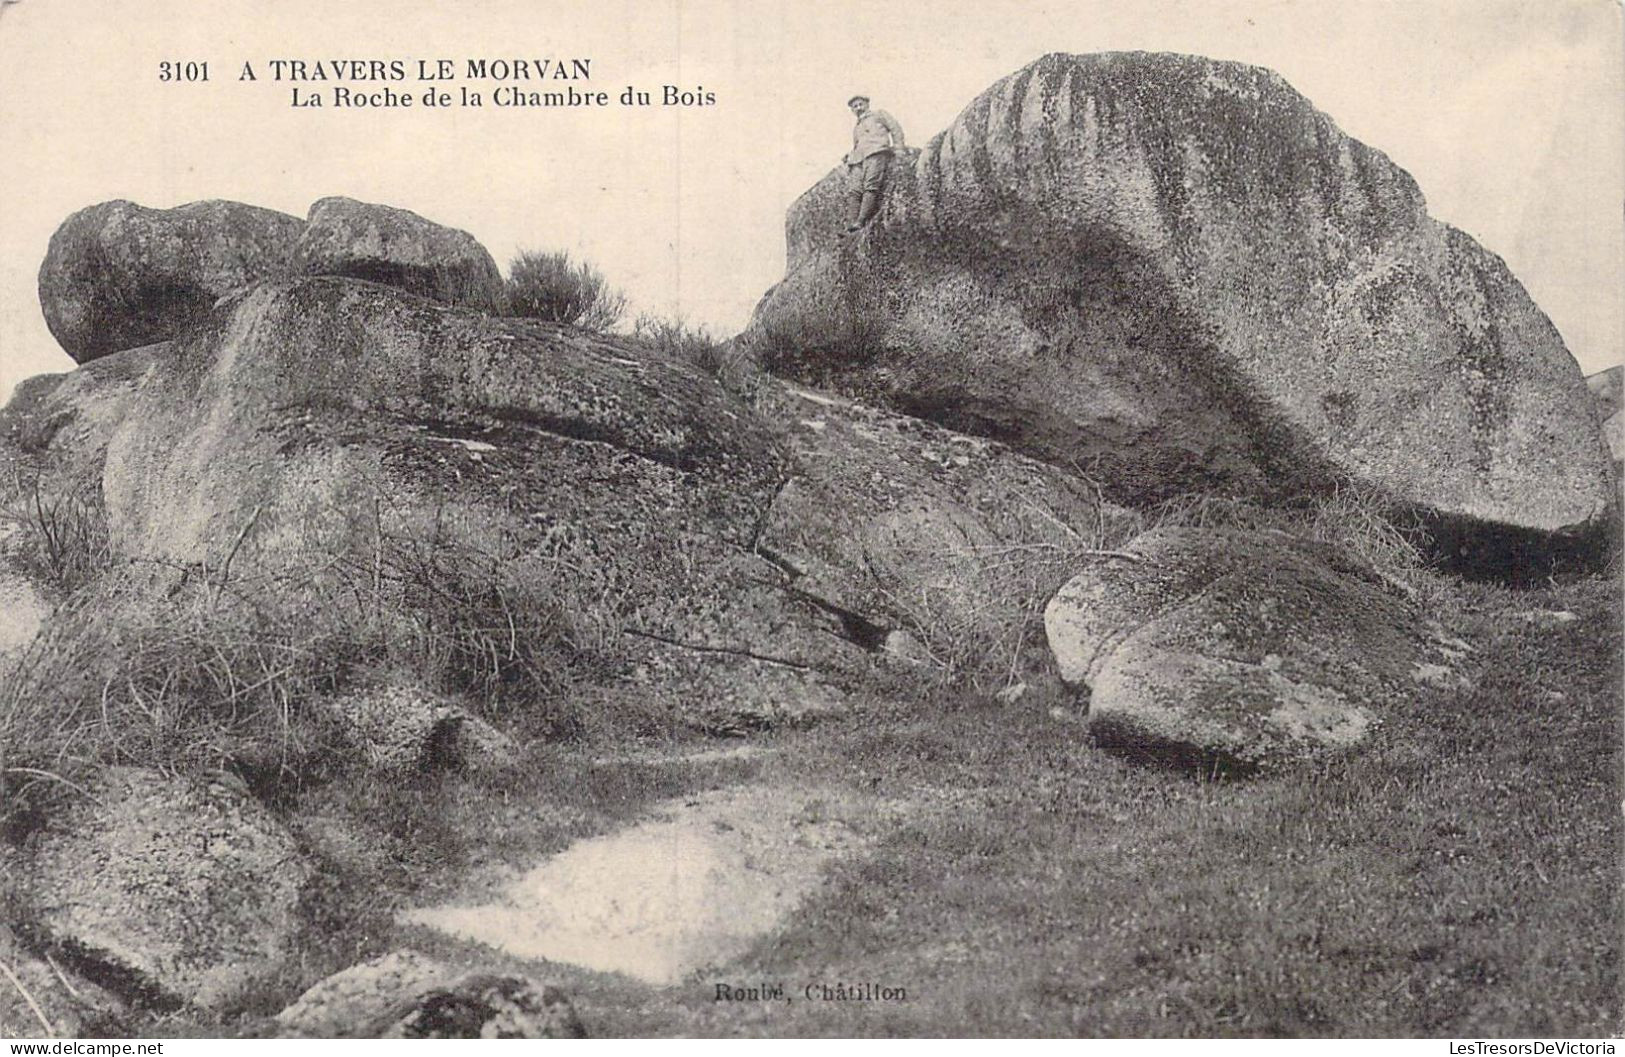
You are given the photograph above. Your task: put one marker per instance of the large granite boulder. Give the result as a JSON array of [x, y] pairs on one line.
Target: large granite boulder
[[407, 995], [366, 452], [1175, 274], [171, 891], [399, 248], [1239, 649], [119, 276]]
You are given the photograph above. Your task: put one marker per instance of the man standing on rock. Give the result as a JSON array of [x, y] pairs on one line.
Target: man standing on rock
[[868, 164]]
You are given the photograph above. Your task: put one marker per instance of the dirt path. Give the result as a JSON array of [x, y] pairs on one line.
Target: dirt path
[[22, 613], [23, 609], [690, 887]]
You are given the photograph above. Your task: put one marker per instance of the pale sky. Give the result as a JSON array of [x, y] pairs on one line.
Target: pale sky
[[1508, 114]]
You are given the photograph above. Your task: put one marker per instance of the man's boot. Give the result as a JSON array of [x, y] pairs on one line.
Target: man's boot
[[857, 214], [868, 207]]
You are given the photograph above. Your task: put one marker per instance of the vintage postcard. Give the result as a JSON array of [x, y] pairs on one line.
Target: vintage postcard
[[704, 518]]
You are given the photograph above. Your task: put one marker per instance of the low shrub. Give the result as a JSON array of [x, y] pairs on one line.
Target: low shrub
[[64, 527], [220, 668], [551, 287], [674, 337]]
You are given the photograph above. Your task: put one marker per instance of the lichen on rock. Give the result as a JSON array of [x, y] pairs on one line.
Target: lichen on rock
[[1179, 275]]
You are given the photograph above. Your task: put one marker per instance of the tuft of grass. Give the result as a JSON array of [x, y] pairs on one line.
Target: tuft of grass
[[549, 286], [64, 527], [223, 667], [696, 346], [997, 640], [1361, 524], [982, 630], [677, 339]]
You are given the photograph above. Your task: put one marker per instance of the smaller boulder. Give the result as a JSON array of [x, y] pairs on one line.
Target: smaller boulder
[[406, 995], [396, 247], [401, 727], [1219, 647], [119, 276], [71, 416], [167, 890]]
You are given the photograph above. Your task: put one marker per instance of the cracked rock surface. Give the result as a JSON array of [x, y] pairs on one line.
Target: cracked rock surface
[[748, 559]]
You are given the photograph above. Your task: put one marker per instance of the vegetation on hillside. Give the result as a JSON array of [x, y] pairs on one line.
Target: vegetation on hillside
[[552, 287], [1456, 877]]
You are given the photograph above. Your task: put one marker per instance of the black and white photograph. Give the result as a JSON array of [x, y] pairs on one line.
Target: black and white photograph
[[701, 519]]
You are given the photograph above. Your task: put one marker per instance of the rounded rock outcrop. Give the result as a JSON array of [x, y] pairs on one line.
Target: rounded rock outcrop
[[118, 275], [407, 995], [1237, 649], [1178, 275], [173, 891], [397, 247]]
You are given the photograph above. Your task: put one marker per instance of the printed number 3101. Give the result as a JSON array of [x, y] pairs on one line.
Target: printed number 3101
[[183, 71]]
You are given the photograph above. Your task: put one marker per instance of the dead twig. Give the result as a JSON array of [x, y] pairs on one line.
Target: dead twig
[[50, 1029], [225, 567]]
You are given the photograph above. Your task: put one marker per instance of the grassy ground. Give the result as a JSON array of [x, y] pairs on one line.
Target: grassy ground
[[1460, 877]]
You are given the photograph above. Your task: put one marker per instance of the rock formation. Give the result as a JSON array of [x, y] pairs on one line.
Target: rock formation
[[398, 248], [1120, 275], [407, 995], [118, 275], [1239, 649], [180, 892], [1175, 274], [750, 558]]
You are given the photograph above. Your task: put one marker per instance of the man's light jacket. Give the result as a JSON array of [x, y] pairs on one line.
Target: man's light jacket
[[875, 131]]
